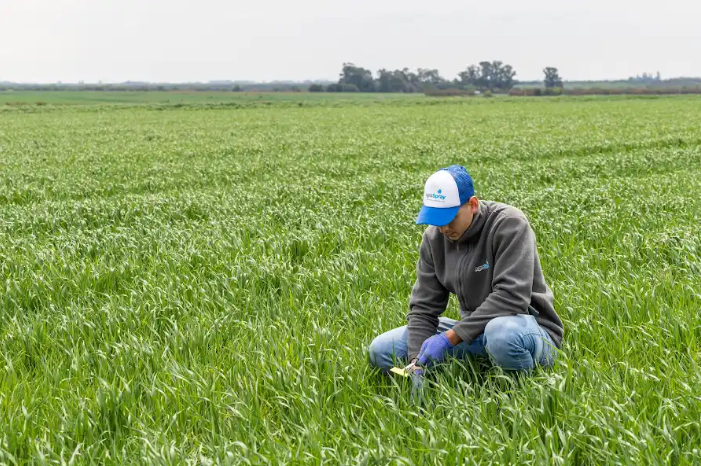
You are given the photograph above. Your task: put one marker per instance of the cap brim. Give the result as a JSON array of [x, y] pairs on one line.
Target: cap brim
[[435, 216]]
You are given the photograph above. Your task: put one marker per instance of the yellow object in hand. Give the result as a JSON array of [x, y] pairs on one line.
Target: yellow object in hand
[[400, 371]]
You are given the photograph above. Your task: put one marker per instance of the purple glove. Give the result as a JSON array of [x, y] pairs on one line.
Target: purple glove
[[434, 349]]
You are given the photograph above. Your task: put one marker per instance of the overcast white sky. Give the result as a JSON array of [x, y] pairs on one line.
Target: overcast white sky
[[179, 40]]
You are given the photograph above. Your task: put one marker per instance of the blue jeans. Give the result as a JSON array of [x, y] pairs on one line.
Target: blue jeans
[[515, 343]]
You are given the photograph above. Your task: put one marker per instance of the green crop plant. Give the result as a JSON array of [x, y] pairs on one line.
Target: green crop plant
[[196, 285]]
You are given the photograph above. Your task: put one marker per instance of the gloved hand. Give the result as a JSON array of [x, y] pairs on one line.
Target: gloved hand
[[417, 386], [434, 349], [417, 380]]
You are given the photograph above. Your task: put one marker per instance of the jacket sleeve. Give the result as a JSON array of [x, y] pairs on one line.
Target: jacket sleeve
[[429, 299], [512, 279]]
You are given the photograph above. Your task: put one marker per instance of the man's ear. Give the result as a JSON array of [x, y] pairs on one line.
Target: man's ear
[[475, 203]]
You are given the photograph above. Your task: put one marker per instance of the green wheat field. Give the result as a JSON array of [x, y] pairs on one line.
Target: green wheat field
[[189, 282]]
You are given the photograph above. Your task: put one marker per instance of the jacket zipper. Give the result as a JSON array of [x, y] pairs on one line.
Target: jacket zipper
[[461, 300]]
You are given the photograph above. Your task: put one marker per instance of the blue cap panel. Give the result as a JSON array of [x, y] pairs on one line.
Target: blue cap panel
[[436, 216], [463, 179]]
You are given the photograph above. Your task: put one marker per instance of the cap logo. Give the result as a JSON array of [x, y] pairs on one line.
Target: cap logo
[[436, 196]]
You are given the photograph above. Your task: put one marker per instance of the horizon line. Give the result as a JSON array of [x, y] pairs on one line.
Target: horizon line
[[287, 81]]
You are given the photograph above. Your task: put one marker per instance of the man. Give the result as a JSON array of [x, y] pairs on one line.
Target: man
[[485, 253]]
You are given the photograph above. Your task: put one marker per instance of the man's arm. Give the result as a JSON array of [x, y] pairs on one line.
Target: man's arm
[[429, 298], [512, 282]]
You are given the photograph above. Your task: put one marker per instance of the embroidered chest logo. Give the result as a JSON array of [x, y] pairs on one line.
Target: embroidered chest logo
[[482, 267]]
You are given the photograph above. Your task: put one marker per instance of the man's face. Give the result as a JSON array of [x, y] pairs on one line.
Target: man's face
[[462, 220]]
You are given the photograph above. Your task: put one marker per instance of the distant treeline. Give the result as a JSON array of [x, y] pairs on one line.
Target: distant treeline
[[494, 76], [163, 87], [489, 78], [486, 78], [607, 91], [627, 83]]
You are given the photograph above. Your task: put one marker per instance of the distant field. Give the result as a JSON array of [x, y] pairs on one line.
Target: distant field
[[34, 101], [93, 97], [197, 286], [618, 84]]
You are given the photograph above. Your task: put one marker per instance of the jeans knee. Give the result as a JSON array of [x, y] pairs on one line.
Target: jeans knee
[[379, 355], [504, 340]]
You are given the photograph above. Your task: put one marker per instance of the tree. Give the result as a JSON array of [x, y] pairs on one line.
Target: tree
[[552, 78], [316, 88], [397, 81], [429, 77], [410, 79], [342, 87], [405, 80], [488, 75], [505, 77], [359, 77], [384, 80], [470, 76]]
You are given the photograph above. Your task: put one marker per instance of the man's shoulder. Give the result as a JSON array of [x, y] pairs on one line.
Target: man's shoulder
[[432, 233], [497, 211]]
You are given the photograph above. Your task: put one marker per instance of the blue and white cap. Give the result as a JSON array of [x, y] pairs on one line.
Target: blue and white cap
[[445, 191]]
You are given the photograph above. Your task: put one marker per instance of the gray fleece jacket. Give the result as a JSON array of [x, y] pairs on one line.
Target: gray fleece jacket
[[494, 270]]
